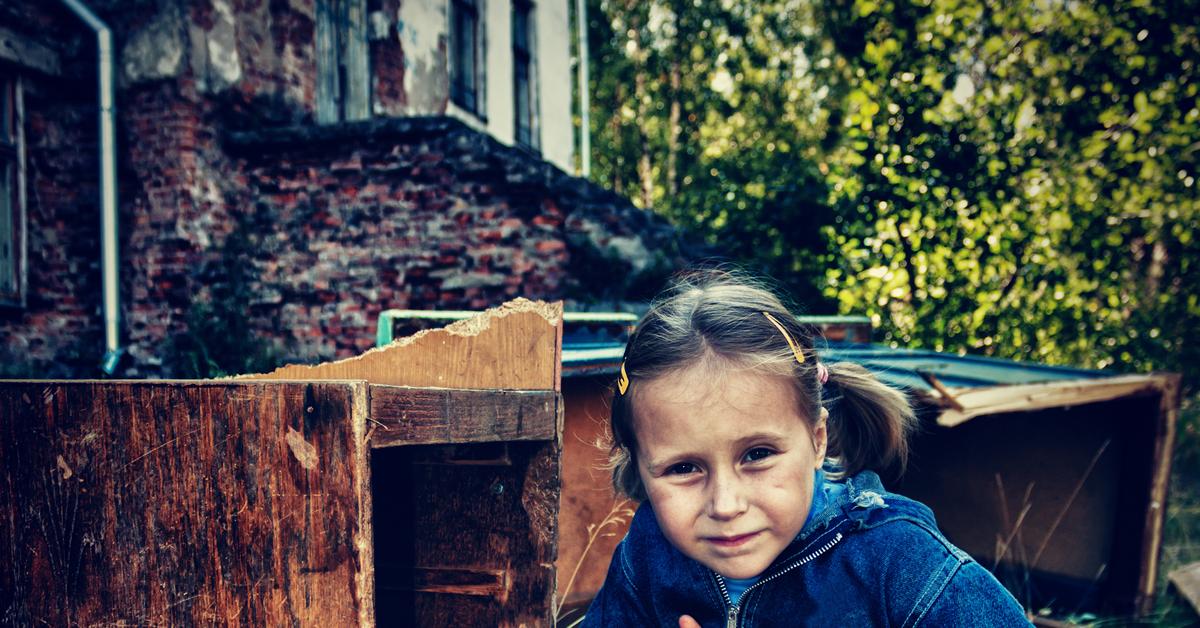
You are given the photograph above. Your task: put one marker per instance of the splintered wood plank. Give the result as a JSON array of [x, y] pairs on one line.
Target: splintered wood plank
[[185, 503], [1156, 510], [412, 416], [1187, 581], [973, 402], [516, 345]]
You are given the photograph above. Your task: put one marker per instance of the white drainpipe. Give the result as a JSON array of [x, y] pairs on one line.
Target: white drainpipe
[[108, 186]]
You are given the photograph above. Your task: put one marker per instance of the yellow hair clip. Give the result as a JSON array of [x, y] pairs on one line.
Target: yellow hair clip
[[623, 380], [788, 337]]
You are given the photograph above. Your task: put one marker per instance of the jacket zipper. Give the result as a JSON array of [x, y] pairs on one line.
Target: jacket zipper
[[732, 610]]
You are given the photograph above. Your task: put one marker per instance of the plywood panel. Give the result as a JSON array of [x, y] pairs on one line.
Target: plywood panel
[[184, 503], [516, 345]]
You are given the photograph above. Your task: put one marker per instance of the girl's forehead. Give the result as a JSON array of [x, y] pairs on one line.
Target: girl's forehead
[[708, 385], [713, 375], [689, 413]]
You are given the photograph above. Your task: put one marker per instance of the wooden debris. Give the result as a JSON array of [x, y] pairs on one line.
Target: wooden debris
[[1027, 397], [1187, 581]]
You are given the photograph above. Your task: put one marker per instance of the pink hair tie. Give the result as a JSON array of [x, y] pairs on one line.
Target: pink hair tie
[[822, 372]]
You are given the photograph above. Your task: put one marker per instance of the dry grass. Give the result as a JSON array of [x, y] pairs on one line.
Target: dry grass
[[1181, 531], [621, 512]]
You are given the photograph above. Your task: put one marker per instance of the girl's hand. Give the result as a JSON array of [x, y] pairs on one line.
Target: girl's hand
[[686, 621]]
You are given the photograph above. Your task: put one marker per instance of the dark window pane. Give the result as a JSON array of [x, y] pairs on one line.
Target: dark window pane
[[8, 240], [464, 80], [7, 113], [520, 27], [521, 88]]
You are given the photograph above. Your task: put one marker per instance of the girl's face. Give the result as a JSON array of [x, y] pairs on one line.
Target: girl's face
[[727, 461]]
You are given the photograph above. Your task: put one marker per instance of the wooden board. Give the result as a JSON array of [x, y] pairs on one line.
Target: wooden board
[[966, 404], [516, 345], [468, 532], [184, 503], [414, 416]]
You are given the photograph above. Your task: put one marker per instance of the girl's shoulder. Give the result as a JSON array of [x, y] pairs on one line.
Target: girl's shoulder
[[894, 523]]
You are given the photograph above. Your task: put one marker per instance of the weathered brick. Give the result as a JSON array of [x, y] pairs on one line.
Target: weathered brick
[[344, 220]]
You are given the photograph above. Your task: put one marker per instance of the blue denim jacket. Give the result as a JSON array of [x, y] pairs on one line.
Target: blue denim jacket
[[869, 558]]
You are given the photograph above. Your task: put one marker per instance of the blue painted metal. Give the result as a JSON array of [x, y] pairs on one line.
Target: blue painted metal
[[594, 344], [898, 367], [904, 367]]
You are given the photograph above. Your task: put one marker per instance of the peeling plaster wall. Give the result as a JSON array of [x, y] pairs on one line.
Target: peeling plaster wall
[[422, 28], [224, 62], [155, 51]]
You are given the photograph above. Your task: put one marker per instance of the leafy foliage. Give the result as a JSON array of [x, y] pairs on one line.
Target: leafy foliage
[[1013, 179], [220, 339]]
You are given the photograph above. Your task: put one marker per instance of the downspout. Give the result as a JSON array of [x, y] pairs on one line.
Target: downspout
[[108, 187], [585, 104]]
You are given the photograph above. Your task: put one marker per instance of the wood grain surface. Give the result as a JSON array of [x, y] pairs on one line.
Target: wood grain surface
[[415, 416], [184, 503], [516, 345]]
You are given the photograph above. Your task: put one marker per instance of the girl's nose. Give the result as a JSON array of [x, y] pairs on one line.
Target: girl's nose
[[728, 497]]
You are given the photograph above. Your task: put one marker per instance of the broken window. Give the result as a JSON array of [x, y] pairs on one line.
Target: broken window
[[524, 83], [466, 55], [343, 72], [11, 171]]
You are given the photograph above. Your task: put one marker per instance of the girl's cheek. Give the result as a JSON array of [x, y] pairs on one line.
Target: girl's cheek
[[667, 496]]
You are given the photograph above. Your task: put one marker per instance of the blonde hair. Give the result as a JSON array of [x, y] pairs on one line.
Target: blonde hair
[[720, 315]]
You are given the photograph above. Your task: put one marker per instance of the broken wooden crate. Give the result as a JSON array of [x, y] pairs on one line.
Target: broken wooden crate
[[414, 485], [1053, 478]]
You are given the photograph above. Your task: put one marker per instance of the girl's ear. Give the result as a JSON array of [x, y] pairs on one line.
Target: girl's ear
[[820, 436]]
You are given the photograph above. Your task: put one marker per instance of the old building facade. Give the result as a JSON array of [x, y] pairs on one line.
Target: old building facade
[[287, 169]]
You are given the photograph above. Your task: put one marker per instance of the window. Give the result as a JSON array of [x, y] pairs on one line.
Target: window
[[343, 68], [11, 194], [466, 56], [524, 83]]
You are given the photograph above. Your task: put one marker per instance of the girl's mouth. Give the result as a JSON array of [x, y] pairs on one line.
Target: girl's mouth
[[731, 541]]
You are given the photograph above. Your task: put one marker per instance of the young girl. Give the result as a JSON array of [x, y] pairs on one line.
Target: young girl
[[753, 462]]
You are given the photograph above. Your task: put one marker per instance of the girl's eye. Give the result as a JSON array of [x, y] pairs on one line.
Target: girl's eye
[[758, 453], [682, 468]]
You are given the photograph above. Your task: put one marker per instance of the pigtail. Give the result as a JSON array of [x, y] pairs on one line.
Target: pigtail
[[869, 421]]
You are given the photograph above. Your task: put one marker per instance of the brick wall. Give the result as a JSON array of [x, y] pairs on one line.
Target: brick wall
[[342, 221], [420, 213], [57, 330]]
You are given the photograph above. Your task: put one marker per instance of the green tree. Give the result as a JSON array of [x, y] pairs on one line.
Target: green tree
[[1018, 179], [1015, 179]]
